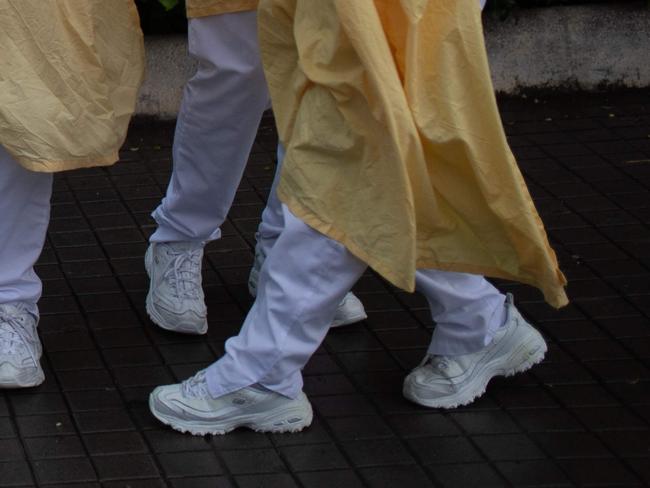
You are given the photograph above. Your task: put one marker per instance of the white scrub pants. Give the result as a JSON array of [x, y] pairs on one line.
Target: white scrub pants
[[463, 305], [218, 119], [24, 217], [304, 278]]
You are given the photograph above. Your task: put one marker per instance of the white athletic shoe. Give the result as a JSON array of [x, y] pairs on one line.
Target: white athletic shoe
[[451, 381], [254, 275], [175, 300], [349, 311], [20, 348], [188, 407]]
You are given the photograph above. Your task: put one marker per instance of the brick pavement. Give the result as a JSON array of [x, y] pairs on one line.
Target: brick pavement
[[581, 418]]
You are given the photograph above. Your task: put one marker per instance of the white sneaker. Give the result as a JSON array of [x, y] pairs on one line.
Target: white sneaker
[[254, 275], [175, 300], [188, 407], [451, 381], [349, 311], [20, 348]]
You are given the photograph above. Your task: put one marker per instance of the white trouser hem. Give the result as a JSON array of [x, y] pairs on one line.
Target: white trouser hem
[[466, 308]]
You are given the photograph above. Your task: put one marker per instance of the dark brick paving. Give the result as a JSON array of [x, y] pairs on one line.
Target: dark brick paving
[[581, 418]]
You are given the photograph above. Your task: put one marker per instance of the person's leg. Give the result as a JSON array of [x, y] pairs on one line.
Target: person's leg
[[25, 211], [272, 222], [350, 310], [466, 308], [302, 281], [479, 334], [220, 112], [270, 227]]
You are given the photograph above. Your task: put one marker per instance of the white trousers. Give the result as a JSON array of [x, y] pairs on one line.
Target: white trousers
[[24, 217], [218, 119], [302, 281], [272, 223]]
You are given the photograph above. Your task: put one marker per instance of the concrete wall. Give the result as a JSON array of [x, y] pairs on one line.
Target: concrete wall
[[575, 47], [168, 68], [581, 47]]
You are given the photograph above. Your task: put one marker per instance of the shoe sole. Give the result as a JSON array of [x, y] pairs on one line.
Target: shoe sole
[[156, 318], [530, 353], [290, 420], [180, 328], [23, 380]]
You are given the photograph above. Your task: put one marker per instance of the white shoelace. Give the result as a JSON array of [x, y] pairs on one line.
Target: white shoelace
[[184, 274], [196, 386], [13, 335]]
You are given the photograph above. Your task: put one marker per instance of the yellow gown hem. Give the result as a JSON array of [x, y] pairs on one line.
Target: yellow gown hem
[[65, 165], [203, 8], [554, 296]]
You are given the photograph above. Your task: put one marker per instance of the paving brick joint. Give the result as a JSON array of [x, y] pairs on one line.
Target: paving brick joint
[[581, 418]]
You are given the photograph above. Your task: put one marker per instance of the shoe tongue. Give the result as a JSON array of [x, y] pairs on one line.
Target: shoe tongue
[[13, 331]]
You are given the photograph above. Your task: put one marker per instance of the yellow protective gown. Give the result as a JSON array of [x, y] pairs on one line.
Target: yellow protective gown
[[203, 8], [394, 145], [69, 76]]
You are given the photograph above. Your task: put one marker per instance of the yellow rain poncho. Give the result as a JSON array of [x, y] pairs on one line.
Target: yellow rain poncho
[[69, 76], [394, 145], [203, 8]]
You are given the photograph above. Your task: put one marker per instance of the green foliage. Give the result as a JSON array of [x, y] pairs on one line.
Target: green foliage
[[168, 4], [162, 16]]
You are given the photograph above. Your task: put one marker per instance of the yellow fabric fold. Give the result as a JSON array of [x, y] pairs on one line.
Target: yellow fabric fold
[[70, 71], [203, 8], [394, 144]]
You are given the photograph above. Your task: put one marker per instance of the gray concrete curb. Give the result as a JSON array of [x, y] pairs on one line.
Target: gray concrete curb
[[584, 47], [573, 47]]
